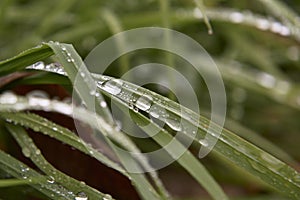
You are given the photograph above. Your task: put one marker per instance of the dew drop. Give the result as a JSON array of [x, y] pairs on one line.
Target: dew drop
[[82, 74], [38, 65], [236, 17], [113, 87], [203, 142], [51, 179], [266, 80], [262, 24], [37, 152], [144, 103], [8, 98], [297, 178], [81, 196], [107, 197], [103, 104], [174, 124], [26, 152]]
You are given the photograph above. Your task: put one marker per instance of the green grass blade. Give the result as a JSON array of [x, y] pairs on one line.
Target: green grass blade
[[24, 59], [251, 158], [37, 158], [85, 85], [19, 170], [187, 160], [144, 187], [234, 148], [36, 122]]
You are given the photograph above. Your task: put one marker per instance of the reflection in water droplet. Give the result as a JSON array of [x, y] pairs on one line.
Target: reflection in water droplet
[[113, 87], [174, 124], [81, 196], [144, 103]]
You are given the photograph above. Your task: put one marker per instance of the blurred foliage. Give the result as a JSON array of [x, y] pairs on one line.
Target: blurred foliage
[[265, 54]]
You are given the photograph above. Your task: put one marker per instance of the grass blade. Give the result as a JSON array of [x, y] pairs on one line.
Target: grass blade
[[55, 175]]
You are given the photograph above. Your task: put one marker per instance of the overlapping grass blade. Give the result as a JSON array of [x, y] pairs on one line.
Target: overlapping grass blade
[[55, 175], [19, 170]]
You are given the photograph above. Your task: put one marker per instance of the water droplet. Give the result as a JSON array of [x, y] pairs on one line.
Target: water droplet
[[81, 196], [236, 17], [38, 98], [174, 124], [263, 24], [297, 178], [154, 111], [107, 197], [82, 74], [144, 103], [54, 129], [26, 152], [272, 161], [203, 142], [135, 109], [103, 104], [36, 129], [113, 87], [37, 152], [8, 98], [266, 80], [118, 125], [38, 65], [62, 108], [51, 179], [63, 48]]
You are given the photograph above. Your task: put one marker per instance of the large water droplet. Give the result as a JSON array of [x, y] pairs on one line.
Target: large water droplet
[[81, 196], [144, 103], [174, 124], [8, 98], [38, 98], [113, 87]]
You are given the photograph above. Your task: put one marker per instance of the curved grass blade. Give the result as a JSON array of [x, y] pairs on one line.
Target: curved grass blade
[[19, 103], [19, 170], [24, 59], [187, 160], [254, 160], [55, 175], [85, 87], [36, 122], [16, 182]]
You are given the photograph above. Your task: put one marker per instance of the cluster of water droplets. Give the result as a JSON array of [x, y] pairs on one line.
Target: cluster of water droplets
[[280, 89], [139, 101], [248, 18]]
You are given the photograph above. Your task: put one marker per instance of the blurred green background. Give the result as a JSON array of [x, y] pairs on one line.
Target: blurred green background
[[256, 50]]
